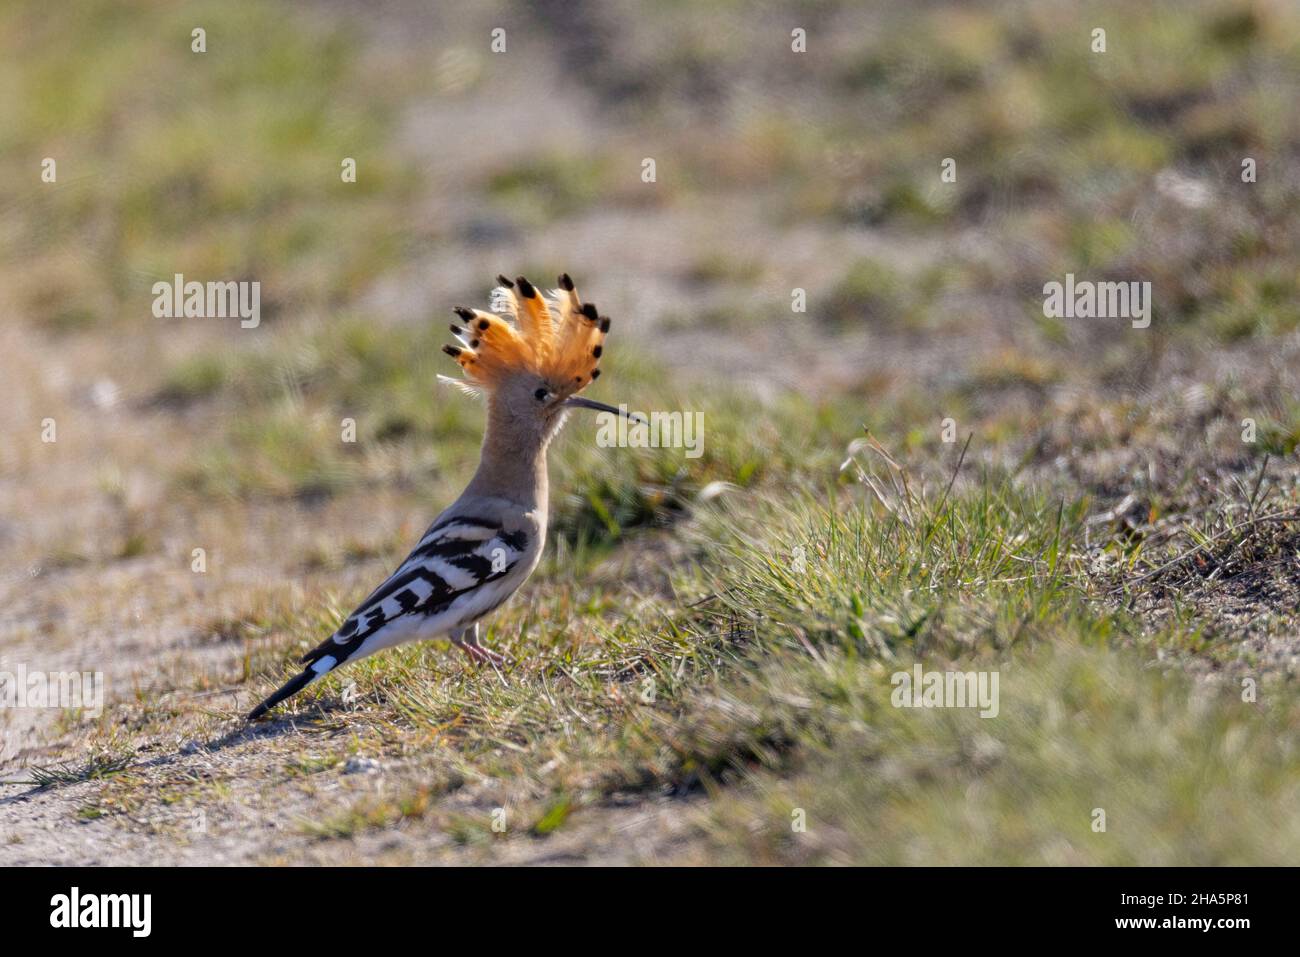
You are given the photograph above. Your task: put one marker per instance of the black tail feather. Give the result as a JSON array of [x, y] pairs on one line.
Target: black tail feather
[[289, 688]]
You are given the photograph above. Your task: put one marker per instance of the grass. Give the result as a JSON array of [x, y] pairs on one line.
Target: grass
[[753, 665], [1183, 774], [548, 187], [292, 95], [765, 682], [99, 766]]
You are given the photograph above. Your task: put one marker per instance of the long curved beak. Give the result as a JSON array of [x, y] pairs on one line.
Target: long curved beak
[[578, 402]]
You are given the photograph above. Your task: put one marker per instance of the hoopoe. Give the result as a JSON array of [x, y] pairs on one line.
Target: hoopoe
[[479, 551]]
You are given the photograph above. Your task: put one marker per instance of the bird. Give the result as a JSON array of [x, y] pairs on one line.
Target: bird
[[529, 357]]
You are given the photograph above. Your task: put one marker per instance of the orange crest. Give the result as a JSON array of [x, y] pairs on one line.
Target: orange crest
[[557, 337]]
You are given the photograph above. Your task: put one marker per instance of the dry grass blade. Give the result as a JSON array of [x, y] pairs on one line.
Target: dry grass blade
[[1277, 517]]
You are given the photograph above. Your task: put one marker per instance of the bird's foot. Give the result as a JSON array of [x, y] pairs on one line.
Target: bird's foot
[[488, 656], [480, 655], [467, 641]]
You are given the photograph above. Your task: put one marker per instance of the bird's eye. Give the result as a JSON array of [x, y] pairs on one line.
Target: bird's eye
[[541, 394]]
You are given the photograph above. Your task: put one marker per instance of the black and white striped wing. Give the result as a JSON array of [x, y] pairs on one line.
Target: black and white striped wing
[[456, 573]]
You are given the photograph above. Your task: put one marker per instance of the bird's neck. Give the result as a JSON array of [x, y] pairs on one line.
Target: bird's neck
[[513, 461]]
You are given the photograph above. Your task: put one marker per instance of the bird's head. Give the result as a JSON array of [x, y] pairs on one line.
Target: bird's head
[[532, 354]]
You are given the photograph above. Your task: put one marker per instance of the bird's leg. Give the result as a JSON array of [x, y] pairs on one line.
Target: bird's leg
[[485, 654], [458, 639]]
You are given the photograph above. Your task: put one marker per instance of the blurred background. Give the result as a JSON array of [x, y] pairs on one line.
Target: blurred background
[[775, 172]]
